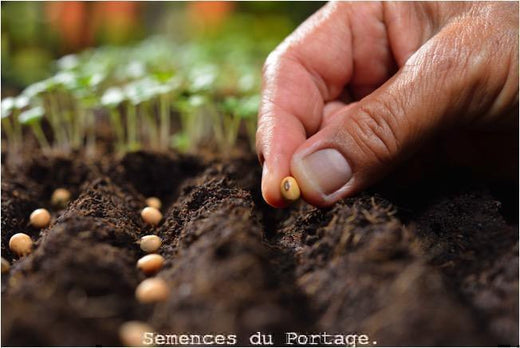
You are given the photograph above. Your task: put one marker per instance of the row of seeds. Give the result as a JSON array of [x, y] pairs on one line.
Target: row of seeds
[[20, 243], [153, 289], [150, 290]]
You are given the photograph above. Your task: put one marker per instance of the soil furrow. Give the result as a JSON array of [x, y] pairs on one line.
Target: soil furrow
[[81, 275]]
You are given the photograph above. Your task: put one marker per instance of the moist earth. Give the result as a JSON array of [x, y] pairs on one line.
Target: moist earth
[[434, 263]]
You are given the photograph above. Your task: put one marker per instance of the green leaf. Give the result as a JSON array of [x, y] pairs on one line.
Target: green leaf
[[8, 105], [36, 89], [112, 97], [68, 62], [31, 116], [203, 78], [21, 102], [248, 107], [230, 104]]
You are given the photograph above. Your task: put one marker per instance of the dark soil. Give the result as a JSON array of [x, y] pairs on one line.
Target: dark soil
[[435, 263]]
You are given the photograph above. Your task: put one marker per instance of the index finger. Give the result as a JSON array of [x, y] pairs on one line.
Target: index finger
[[309, 68]]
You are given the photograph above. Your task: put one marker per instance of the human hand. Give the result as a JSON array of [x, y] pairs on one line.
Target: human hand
[[359, 87]]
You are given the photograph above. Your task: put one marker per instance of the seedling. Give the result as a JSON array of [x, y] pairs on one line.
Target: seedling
[[236, 111], [154, 202], [8, 124], [195, 112], [20, 244], [10, 110], [40, 218], [150, 264], [151, 216], [112, 98], [33, 118], [290, 189], [247, 112], [150, 243], [152, 290], [210, 85]]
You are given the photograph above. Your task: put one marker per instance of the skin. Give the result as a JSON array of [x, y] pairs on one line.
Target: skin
[[381, 82]]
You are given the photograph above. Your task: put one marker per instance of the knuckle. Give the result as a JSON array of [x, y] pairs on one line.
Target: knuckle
[[376, 130]]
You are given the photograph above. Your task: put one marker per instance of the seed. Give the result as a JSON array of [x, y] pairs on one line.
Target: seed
[[150, 264], [5, 265], [60, 197], [132, 333], [289, 189], [21, 244], [154, 202], [152, 290], [150, 243], [151, 216], [40, 218]]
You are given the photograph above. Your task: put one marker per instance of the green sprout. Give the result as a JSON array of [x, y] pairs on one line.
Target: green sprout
[[155, 94], [8, 124], [235, 112], [194, 111], [139, 93], [111, 99], [247, 112], [33, 118]]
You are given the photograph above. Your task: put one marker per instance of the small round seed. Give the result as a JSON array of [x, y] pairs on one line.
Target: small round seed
[[150, 243], [132, 333], [290, 189], [20, 244], [40, 218], [154, 202], [152, 290], [150, 264], [151, 216], [5, 265], [60, 197]]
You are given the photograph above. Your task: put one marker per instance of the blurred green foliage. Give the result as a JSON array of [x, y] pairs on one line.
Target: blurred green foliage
[[36, 33]]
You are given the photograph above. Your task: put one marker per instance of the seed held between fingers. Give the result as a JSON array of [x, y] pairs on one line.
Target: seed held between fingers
[[290, 189], [152, 290], [5, 265], [151, 216], [132, 333], [150, 243], [40, 218], [154, 202], [21, 244], [60, 197], [150, 264]]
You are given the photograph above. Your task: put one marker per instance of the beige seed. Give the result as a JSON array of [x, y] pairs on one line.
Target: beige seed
[[152, 290], [150, 264], [154, 202], [20, 244], [5, 265], [60, 197], [289, 189], [151, 216], [40, 218], [132, 333], [150, 243]]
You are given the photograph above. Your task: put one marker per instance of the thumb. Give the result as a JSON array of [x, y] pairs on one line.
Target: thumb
[[440, 85]]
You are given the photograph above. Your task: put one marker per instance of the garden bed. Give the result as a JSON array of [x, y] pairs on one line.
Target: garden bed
[[434, 263]]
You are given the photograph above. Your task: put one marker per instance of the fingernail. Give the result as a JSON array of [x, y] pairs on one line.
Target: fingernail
[[326, 170]]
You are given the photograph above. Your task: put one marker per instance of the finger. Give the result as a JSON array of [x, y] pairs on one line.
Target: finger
[[307, 70], [446, 82], [296, 82]]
